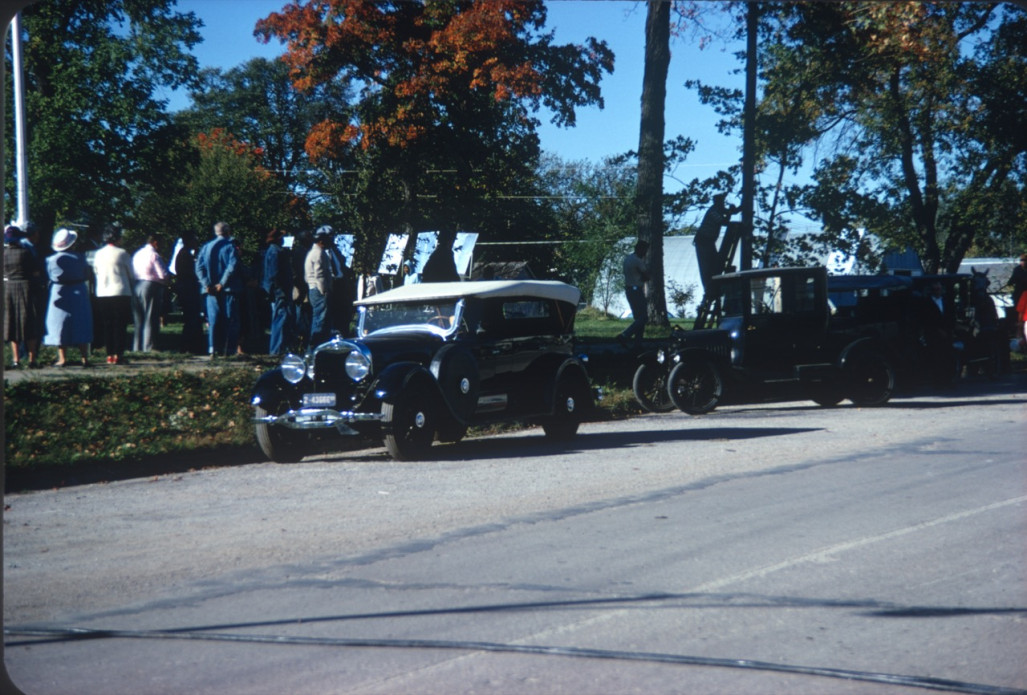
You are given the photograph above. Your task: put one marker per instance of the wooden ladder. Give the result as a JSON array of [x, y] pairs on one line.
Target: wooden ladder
[[726, 254]]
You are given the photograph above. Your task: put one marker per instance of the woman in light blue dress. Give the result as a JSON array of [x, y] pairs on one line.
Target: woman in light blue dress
[[69, 315]]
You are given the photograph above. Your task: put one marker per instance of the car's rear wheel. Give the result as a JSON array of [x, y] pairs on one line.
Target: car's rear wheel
[[871, 378], [279, 443], [409, 425], [571, 400], [650, 387], [695, 385]]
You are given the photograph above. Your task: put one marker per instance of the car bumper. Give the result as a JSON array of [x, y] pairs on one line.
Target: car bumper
[[319, 419]]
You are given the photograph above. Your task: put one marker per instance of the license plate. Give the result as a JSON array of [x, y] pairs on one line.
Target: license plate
[[321, 400]]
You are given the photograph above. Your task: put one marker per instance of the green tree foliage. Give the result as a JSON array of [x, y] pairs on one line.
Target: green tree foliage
[[95, 72], [918, 102], [228, 183], [257, 103], [595, 209], [593, 206], [442, 135], [910, 110]]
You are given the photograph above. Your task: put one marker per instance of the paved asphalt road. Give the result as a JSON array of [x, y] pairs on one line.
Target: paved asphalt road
[[763, 549]]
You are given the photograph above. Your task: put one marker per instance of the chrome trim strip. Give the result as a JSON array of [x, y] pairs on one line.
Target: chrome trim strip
[[317, 418]]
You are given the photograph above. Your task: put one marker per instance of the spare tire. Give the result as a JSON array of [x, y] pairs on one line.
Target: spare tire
[[456, 372]]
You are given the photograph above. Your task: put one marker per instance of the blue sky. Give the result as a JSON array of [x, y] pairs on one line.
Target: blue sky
[[229, 41]]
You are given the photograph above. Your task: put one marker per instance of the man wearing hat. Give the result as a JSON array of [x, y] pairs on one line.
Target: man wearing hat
[[706, 237], [220, 278], [277, 284], [318, 275]]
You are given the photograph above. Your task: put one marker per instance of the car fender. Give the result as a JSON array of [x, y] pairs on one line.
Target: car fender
[[397, 377], [859, 346], [728, 372], [698, 353], [272, 389], [652, 356], [394, 378], [570, 367]]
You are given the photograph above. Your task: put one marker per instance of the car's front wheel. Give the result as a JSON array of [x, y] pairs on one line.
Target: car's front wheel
[[695, 385], [650, 387], [871, 378], [279, 443], [409, 424]]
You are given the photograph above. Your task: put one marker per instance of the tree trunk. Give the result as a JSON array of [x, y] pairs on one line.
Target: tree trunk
[[749, 138], [649, 194], [921, 209]]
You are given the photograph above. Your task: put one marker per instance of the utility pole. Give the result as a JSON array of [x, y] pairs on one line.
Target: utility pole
[[749, 138]]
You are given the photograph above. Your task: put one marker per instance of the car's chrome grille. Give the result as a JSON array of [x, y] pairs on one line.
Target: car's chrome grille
[[330, 369]]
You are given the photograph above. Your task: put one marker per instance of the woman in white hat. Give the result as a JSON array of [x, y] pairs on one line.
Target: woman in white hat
[[69, 316]]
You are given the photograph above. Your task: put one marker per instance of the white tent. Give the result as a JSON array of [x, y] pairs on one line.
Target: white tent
[[680, 270]]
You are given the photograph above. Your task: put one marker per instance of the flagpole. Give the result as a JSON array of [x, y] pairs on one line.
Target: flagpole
[[21, 162]]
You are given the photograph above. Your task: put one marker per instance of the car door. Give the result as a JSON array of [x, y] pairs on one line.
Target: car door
[[493, 347], [511, 336], [786, 325]]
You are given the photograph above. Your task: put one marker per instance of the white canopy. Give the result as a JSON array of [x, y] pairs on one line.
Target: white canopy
[[453, 291]]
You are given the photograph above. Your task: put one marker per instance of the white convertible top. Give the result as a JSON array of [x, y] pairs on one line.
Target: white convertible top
[[453, 291]]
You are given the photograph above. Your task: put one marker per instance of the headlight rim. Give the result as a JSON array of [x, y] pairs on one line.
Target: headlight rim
[[293, 368], [358, 365]]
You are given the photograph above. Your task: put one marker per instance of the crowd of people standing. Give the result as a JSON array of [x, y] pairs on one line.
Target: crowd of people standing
[[285, 300]]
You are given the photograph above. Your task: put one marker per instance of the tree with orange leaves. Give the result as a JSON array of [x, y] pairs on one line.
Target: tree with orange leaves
[[445, 116]]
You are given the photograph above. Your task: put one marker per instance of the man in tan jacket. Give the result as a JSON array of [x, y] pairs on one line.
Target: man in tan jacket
[[318, 275]]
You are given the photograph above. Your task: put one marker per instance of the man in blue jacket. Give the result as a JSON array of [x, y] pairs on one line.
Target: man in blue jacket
[[277, 284], [220, 278]]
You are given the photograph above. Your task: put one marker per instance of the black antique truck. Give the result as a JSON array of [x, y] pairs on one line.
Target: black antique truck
[[774, 333]]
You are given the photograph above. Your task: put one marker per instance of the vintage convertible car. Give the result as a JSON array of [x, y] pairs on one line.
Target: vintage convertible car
[[430, 360]]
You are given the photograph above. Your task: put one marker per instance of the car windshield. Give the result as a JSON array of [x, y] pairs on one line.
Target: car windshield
[[440, 317]]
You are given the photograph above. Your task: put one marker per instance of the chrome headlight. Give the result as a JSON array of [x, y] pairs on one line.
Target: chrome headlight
[[661, 356], [358, 365], [293, 368]]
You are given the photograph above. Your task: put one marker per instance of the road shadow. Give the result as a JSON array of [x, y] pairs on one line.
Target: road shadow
[[868, 607], [86, 473], [922, 402], [532, 443]]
